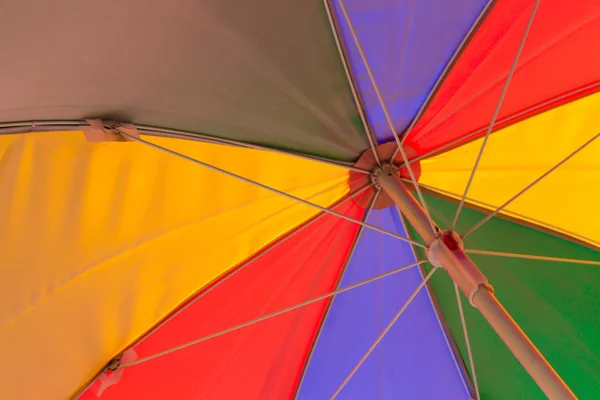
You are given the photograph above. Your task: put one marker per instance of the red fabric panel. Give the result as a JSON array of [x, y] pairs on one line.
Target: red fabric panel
[[560, 55], [262, 361]]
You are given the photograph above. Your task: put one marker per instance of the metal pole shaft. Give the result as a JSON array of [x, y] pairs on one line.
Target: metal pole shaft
[[519, 344], [447, 252], [410, 207]]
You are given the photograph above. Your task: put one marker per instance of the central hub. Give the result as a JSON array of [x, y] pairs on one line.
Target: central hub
[[368, 162], [388, 169]]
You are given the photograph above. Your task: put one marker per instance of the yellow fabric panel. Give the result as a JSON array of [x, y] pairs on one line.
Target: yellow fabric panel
[[566, 200], [98, 242]]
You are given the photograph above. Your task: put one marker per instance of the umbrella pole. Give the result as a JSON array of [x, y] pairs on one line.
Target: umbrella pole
[[445, 250]]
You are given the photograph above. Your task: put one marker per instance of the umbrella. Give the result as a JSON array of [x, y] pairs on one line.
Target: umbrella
[[264, 200]]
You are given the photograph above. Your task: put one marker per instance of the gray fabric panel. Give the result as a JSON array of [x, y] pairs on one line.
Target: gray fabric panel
[[261, 71]]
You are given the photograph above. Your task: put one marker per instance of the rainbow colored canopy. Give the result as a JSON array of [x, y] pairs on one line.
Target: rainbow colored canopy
[[219, 242]]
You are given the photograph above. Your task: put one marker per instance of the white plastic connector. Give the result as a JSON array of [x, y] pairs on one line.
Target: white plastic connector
[[447, 252]]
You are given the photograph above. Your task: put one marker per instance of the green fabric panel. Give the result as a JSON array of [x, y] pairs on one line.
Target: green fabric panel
[[260, 71], [556, 304]]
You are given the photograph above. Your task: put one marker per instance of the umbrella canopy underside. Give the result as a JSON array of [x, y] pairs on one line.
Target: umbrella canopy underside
[[226, 271]]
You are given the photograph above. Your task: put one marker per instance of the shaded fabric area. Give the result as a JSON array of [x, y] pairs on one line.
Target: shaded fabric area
[[560, 56], [260, 361], [413, 361], [251, 71], [555, 303], [99, 241], [512, 160], [407, 45]]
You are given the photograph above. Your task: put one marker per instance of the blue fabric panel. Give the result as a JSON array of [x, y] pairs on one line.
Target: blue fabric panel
[[407, 44], [414, 360]]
